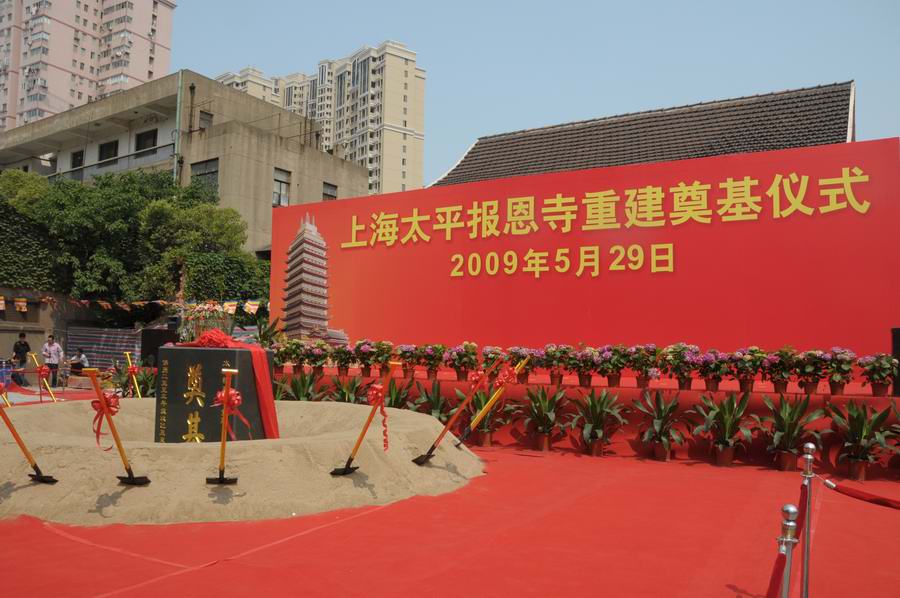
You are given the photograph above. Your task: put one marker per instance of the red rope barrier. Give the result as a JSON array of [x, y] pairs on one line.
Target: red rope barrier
[[858, 494], [777, 575]]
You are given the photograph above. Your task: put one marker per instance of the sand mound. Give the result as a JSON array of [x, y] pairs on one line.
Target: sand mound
[[277, 478]]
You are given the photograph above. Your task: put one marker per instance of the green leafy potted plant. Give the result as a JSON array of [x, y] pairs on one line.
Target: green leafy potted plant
[[839, 369], [598, 417], [542, 414], [410, 356], [491, 355], [811, 366], [365, 354], [384, 352], [515, 355], [679, 361], [431, 356], [787, 427], [342, 357], [778, 366], [316, 355], [584, 363], [291, 351], [879, 370], [611, 363], [555, 360], [712, 367], [746, 364], [351, 390], [490, 422], [724, 424], [397, 394], [643, 360], [432, 402], [302, 387], [864, 434], [659, 426], [462, 358]]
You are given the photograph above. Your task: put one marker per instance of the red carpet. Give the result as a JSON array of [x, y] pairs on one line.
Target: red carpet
[[535, 525]]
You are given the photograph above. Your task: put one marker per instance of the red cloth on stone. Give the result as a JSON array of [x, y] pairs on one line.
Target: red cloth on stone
[[216, 339]]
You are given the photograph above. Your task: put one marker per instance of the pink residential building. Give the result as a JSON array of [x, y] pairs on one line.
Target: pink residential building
[[59, 54]]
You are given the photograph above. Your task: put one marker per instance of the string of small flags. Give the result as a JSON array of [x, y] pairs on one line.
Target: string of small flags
[[229, 307]]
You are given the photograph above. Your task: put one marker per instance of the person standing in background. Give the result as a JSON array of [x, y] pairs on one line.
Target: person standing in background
[[53, 355], [21, 349]]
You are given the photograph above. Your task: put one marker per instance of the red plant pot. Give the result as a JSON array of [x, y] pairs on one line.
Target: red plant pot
[[432, 373], [746, 384], [485, 439], [584, 380], [787, 461], [543, 442], [712, 385], [836, 388], [660, 453], [643, 381], [810, 388], [596, 448], [780, 386], [555, 378], [724, 456], [858, 470], [343, 370], [880, 389], [409, 371], [318, 370], [522, 377], [462, 374], [365, 371], [684, 383], [613, 380]]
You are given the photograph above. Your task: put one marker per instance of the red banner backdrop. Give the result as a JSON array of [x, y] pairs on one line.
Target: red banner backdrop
[[798, 247]]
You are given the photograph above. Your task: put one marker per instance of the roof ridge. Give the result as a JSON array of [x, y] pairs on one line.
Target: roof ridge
[[661, 110]]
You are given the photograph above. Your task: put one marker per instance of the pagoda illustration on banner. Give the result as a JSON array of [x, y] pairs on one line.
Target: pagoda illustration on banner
[[306, 287]]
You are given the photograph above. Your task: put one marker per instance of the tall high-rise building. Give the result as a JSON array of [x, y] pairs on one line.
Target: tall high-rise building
[[370, 105], [59, 54]]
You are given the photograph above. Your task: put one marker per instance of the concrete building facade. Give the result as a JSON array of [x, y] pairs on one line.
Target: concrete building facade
[[257, 155], [56, 55], [370, 105]]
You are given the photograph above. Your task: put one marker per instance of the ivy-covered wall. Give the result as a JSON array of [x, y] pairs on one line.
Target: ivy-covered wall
[[26, 258]]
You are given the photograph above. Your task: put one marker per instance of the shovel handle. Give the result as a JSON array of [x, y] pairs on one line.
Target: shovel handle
[[15, 434], [228, 374], [464, 404], [496, 397], [92, 374], [384, 382], [44, 384], [137, 389]]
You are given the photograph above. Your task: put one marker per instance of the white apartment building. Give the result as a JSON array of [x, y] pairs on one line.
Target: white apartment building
[[370, 106], [59, 54]]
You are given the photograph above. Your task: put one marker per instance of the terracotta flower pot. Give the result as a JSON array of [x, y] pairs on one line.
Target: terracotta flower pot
[[613, 380], [462, 374], [596, 448], [880, 389], [858, 470], [555, 378], [643, 381], [746, 384], [409, 371], [543, 443], [780, 386], [836, 388], [365, 371], [712, 384], [318, 370], [485, 439], [522, 377], [684, 383], [343, 370], [810, 387], [787, 461], [584, 380], [724, 456], [432, 373], [660, 453]]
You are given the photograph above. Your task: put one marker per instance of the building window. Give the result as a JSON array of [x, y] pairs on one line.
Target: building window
[[329, 191], [145, 141], [108, 151], [206, 120], [77, 160], [281, 194], [206, 172]]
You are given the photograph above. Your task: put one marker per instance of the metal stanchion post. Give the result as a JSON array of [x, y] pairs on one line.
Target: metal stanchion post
[[809, 450], [788, 539]]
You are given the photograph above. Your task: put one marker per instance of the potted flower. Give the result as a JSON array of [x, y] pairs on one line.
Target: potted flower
[[431, 357], [864, 434], [384, 352], [490, 356], [724, 423], [612, 360], [292, 351], [879, 370], [660, 421], [598, 417], [839, 369], [712, 367], [365, 355], [316, 354], [410, 356], [679, 361], [811, 366], [342, 357], [516, 355], [462, 358], [746, 364], [490, 422], [643, 360], [543, 413], [778, 367], [584, 363], [787, 427], [556, 360]]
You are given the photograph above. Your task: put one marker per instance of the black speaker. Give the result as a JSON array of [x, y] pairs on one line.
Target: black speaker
[[174, 322]]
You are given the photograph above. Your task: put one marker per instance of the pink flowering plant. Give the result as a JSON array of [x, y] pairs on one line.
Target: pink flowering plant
[[680, 360], [462, 357], [514, 355], [432, 355], [714, 365], [342, 356], [643, 360], [409, 354], [584, 361], [611, 359], [840, 366], [364, 352], [491, 355], [879, 368], [291, 351], [556, 357], [316, 353], [779, 366], [384, 352], [747, 362], [812, 365]]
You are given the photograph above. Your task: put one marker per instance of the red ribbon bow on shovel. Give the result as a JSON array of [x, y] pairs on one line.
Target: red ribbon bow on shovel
[[43, 372], [112, 403], [232, 408], [2, 388], [376, 397], [475, 379], [133, 370], [507, 376]]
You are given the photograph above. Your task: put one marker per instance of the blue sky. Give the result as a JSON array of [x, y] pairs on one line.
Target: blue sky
[[503, 66]]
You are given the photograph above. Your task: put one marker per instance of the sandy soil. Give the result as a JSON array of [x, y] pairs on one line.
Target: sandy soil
[[277, 478]]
